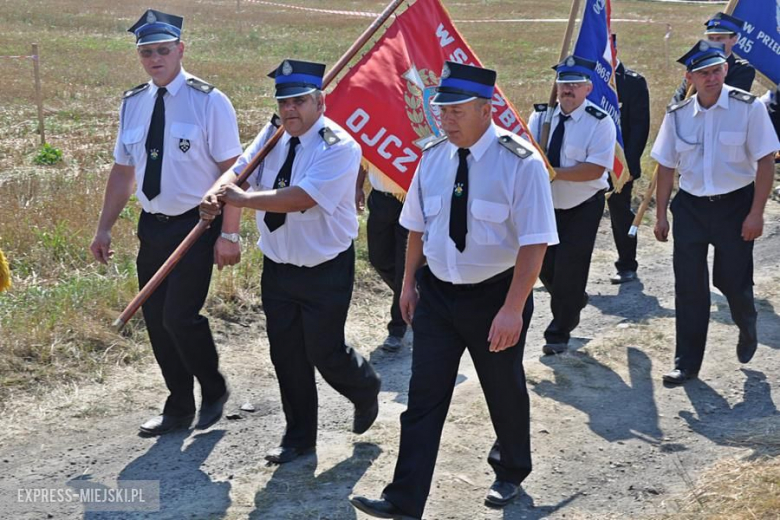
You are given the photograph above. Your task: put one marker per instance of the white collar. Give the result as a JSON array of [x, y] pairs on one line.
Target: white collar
[[478, 149], [172, 87]]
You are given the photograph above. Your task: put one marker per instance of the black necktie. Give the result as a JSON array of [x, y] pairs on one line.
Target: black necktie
[[275, 220], [460, 202], [154, 148], [554, 150]]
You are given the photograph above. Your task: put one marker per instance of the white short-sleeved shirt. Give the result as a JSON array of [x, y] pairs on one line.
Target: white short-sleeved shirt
[[200, 131], [383, 183], [509, 206], [586, 139], [715, 150], [327, 173]]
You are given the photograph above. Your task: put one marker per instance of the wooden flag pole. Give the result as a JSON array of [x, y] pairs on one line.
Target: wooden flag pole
[[38, 96], [545, 134], [203, 225], [640, 213]]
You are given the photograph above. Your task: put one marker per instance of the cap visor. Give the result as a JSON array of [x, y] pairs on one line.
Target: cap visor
[[709, 62], [719, 30], [288, 92], [155, 38], [448, 98], [572, 78]]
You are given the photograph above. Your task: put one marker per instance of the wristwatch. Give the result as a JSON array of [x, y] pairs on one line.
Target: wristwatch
[[231, 237]]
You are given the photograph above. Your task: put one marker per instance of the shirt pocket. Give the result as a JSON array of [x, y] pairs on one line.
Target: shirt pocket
[[185, 140], [732, 145], [132, 140], [431, 207], [313, 213], [489, 226], [575, 153], [687, 155]]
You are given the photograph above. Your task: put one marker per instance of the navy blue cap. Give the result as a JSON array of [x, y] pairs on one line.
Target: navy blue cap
[[702, 55], [574, 69], [156, 27], [297, 78], [723, 23], [461, 83]]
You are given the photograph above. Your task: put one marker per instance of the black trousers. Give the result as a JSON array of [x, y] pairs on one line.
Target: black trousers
[[622, 217], [699, 222], [306, 309], [181, 338], [387, 250], [449, 319], [566, 266]]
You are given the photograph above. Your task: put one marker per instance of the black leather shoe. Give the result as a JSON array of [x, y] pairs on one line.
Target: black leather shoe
[[550, 349], [501, 493], [379, 508], [163, 424], [392, 343], [284, 454], [623, 277], [210, 413], [365, 417], [678, 376], [746, 346]]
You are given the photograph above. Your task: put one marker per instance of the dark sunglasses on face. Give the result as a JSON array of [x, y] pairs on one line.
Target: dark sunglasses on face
[[161, 51]]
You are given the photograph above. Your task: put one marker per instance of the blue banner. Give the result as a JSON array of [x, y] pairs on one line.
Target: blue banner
[[759, 42], [595, 43]]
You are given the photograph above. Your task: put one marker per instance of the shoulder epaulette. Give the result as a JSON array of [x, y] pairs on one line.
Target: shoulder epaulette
[[328, 136], [678, 105], [435, 142], [741, 95], [275, 121], [633, 73], [540, 107], [595, 112], [200, 85], [133, 91], [513, 144]]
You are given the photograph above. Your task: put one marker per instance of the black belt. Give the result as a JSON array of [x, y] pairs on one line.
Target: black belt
[[194, 212], [489, 281], [385, 193], [722, 196]]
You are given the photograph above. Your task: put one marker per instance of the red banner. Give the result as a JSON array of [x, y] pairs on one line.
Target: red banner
[[384, 100]]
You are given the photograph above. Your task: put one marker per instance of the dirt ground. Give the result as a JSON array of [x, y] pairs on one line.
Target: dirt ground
[[609, 440]]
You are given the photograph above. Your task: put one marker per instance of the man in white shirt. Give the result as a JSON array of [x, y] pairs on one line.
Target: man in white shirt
[[722, 143], [479, 212], [177, 134], [386, 239], [581, 148], [304, 197]]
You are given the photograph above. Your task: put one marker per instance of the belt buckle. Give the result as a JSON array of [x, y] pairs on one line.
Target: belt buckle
[[162, 218]]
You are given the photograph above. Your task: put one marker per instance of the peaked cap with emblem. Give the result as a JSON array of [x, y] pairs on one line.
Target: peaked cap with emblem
[[297, 78], [723, 23], [574, 69], [702, 55], [156, 27], [461, 83]]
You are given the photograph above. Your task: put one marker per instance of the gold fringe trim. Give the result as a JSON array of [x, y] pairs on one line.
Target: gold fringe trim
[[5, 273], [619, 182], [396, 190]]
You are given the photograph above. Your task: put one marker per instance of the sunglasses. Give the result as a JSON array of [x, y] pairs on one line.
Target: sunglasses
[[161, 51]]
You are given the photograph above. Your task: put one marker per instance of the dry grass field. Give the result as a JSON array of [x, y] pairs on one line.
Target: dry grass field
[[55, 321]]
